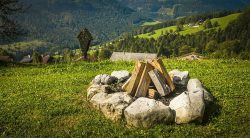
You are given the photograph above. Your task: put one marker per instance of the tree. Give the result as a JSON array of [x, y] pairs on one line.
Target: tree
[[104, 54], [85, 39], [185, 49], [9, 28], [211, 46], [36, 58], [67, 55], [3, 52], [215, 24], [208, 24], [179, 28]]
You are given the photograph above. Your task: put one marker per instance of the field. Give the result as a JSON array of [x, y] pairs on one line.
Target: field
[[150, 23], [50, 101], [223, 22], [25, 45]]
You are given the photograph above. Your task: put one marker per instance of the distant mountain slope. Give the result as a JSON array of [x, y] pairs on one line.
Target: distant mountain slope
[[58, 21], [178, 8], [222, 22]]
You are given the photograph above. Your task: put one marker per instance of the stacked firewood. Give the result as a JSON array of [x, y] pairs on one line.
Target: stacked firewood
[[149, 79]]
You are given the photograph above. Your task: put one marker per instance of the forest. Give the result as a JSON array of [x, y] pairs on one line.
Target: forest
[[231, 42]]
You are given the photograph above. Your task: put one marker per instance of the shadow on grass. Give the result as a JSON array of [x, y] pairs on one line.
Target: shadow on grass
[[213, 109]]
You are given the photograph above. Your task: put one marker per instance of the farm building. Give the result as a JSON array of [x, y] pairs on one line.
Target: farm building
[[46, 59], [132, 56], [6, 59], [191, 56], [26, 59]]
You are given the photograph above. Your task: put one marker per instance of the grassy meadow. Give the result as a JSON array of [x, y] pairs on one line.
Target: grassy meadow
[[50, 101], [150, 23], [223, 22]]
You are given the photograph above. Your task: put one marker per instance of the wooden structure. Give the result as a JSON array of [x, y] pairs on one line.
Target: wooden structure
[[150, 79]]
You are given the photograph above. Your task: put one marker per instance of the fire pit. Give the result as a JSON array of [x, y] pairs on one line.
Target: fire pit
[[149, 95]]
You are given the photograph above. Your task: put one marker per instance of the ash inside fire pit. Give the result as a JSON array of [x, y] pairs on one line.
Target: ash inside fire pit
[[149, 96]]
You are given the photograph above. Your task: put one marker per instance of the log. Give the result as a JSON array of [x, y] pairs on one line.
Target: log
[[132, 85], [158, 64], [125, 85], [145, 81], [159, 82], [152, 93]]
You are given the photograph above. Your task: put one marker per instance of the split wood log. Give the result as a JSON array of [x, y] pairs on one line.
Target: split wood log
[[125, 85], [145, 81], [152, 93], [158, 64], [131, 86], [159, 82]]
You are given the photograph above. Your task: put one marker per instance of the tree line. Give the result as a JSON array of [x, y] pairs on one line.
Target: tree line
[[232, 42]]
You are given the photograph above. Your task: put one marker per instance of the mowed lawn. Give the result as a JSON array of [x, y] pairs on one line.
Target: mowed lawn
[[50, 101]]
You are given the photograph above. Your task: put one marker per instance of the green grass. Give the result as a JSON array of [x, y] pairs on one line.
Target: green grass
[[150, 23], [157, 32], [24, 45], [50, 101], [223, 22]]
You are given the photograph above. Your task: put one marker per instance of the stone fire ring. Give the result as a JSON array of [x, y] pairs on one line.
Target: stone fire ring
[[186, 105]]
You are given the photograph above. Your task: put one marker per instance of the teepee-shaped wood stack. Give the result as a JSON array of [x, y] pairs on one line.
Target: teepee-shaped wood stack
[[149, 79]]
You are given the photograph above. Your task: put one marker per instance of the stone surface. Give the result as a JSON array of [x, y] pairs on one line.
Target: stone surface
[[122, 75], [92, 90], [104, 79], [112, 105], [196, 85], [188, 107], [145, 112], [106, 89], [180, 78]]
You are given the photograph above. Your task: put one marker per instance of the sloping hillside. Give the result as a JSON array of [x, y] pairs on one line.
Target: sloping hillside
[[223, 22]]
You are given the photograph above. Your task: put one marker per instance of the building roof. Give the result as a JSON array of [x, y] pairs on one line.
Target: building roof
[[6, 58], [132, 56], [46, 59], [26, 59]]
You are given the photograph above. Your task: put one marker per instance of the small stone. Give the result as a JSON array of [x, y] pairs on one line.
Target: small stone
[[104, 79], [122, 75], [180, 78], [145, 112]]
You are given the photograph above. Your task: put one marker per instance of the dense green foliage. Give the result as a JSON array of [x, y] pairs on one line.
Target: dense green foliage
[[231, 41], [185, 20], [57, 22], [185, 26], [50, 101]]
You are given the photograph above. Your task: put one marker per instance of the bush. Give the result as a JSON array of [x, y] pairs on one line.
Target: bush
[[104, 54], [36, 57]]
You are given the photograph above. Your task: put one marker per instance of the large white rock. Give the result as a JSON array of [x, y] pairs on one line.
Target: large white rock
[[196, 85], [122, 75], [104, 79], [188, 107], [92, 90], [112, 105], [146, 113], [180, 78]]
